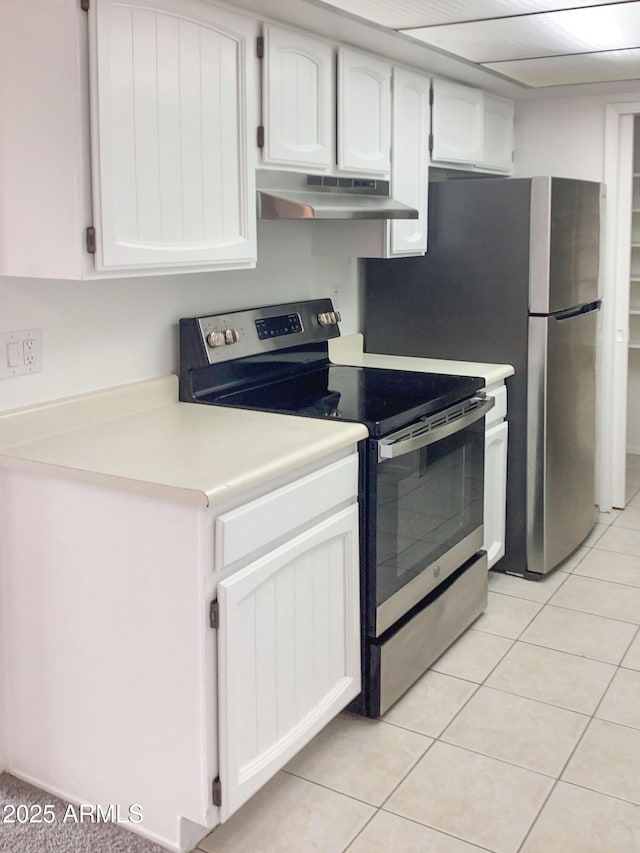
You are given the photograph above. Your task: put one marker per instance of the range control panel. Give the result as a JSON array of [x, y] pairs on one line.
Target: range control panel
[[242, 333]]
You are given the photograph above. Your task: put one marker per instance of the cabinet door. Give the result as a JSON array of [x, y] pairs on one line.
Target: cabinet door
[[457, 123], [298, 99], [495, 491], [364, 112], [409, 167], [173, 180], [498, 133], [288, 654]]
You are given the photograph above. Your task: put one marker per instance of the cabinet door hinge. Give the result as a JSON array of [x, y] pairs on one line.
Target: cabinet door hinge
[[260, 47], [216, 792], [431, 95], [90, 237], [84, 5], [214, 615], [430, 143], [261, 136]]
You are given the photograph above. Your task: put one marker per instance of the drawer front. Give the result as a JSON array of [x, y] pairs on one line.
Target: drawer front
[[245, 530], [499, 411], [405, 656]]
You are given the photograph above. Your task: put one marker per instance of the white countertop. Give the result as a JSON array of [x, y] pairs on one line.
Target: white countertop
[[139, 438], [349, 350]]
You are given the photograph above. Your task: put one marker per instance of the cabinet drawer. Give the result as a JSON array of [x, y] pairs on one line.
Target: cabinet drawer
[[499, 411], [400, 660], [248, 528]]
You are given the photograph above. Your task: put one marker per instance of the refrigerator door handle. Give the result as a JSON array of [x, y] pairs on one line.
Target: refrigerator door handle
[[577, 311]]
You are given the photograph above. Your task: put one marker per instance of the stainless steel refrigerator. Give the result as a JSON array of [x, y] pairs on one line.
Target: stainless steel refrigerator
[[511, 275]]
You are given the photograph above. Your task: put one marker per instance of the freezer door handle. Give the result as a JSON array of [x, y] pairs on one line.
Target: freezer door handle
[[568, 313], [434, 428], [581, 309]]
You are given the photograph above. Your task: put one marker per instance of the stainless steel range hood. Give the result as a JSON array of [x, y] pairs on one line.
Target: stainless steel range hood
[[291, 195]]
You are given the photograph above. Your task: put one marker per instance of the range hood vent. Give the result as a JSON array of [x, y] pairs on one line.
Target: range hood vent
[[291, 195]]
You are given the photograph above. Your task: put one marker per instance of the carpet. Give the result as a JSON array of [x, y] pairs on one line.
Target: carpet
[[58, 832]]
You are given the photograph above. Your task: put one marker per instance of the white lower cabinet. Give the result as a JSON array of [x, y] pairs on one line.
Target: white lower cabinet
[[119, 686], [288, 653], [495, 477], [495, 491]]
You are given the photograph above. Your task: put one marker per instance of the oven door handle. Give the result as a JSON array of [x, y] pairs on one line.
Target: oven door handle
[[435, 428]]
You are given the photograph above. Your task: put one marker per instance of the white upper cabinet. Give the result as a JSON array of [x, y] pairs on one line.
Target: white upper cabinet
[[390, 238], [364, 113], [128, 129], [470, 129], [498, 133], [457, 123], [409, 164], [298, 98], [173, 181]]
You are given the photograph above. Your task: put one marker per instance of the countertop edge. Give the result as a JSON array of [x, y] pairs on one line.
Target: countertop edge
[[349, 350], [171, 450]]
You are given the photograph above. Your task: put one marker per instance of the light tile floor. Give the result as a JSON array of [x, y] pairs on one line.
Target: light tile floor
[[524, 736]]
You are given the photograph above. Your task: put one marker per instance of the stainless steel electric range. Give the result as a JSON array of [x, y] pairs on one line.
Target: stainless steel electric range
[[423, 573]]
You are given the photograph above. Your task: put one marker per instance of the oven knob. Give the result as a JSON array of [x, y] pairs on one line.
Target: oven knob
[[324, 319], [231, 336], [336, 317], [215, 339]]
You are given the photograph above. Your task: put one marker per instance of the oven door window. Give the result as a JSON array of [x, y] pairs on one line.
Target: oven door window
[[428, 501]]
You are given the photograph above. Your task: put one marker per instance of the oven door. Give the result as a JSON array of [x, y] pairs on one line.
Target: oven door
[[424, 508]]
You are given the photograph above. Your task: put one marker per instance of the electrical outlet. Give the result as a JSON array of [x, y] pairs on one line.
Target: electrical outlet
[[20, 353], [29, 352]]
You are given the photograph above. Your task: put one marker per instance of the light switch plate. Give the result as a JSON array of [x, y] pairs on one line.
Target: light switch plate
[[20, 352]]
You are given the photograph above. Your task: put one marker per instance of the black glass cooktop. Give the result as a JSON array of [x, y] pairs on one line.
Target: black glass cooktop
[[383, 400]]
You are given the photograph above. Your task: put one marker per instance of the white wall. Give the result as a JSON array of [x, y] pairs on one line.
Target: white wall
[[97, 334], [560, 137], [563, 135]]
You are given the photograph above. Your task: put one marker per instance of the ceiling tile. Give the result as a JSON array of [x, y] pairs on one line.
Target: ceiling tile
[[570, 31], [401, 14], [580, 68]]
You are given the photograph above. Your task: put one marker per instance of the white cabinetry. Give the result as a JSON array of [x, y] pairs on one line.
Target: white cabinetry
[[498, 133], [457, 123], [364, 112], [409, 183], [495, 472], [139, 678], [409, 161], [322, 118], [289, 650], [470, 129], [153, 153], [298, 100]]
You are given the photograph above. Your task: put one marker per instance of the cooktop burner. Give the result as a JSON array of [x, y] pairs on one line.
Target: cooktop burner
[[381, 399], [275, 359]]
